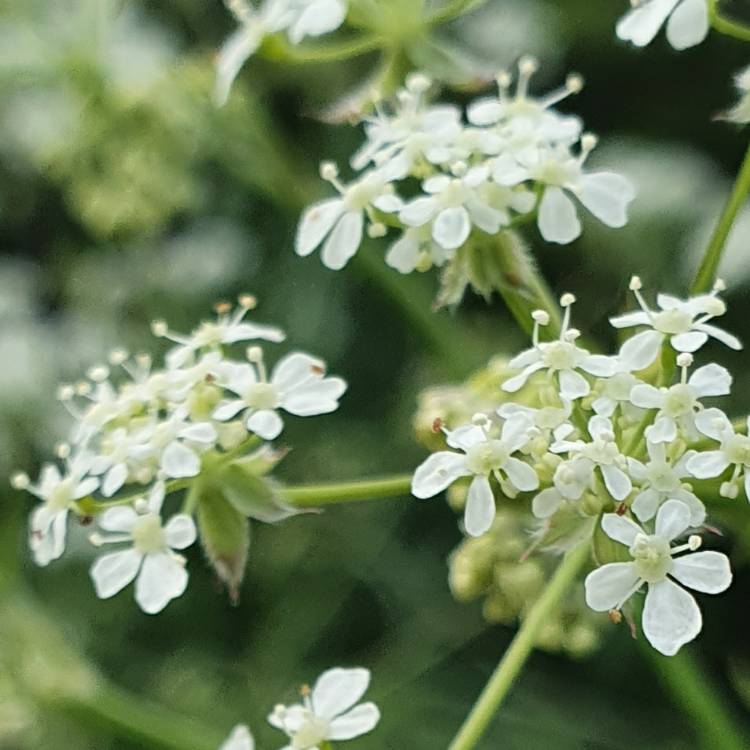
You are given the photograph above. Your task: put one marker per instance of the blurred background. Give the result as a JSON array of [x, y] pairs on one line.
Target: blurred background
[[126, 196]]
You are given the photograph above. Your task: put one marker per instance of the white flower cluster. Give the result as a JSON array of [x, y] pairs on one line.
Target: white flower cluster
[[687, 22], [512, 158], [142, 432], [298, 18], [621, 435], [327, 714]]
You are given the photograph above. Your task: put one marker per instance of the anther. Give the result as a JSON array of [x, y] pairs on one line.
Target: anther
[[65, 392], [574, 83], [328, 171], [62, 451], [694, 542], [480, 420], [635, 284], [377, 229], [719, 285], [684, 359], [98, 373], [248, 301], [222, 307], [418, 83], [254, 354], [159, 328], [541, 317], [20, 480], [567, 299], [118, 356]]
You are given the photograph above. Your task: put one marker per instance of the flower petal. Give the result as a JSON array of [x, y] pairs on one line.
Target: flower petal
[[642, 23], [620, 528], [232, 56], [617, 482], [162, 578], [178, 461], [689, 342], [639, 351], [610, 586], [296, 368], [239, 739], [316, 222], [546, 503], [451, 227], [671, 617], [119, 519], [337, 690], [711, 380], [343, 242], [437, 472], [403, 254], [558, 220], [707, 571], [607, 196], [317, 18], [689, 24], [180, 531], [672, 519], [720, 335], [314, 397], [354, 723], [265, 423], [646, 396], [111, 573], [573, 385], [480, 507], [521, 475]]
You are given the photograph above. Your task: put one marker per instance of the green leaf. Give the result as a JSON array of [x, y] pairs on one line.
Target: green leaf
[[225, 537]]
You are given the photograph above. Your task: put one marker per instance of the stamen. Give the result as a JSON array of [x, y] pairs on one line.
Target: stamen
[[527, 66], [20, 480]]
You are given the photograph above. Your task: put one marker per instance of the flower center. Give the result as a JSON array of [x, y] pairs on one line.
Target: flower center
[[673, 321], [652, 556], [737, 449], [311, 733], [661, 476], [209, 334], [618, 387], [559, 355], [602, 451], [61, 495], [484, 458], [359, 196], [262, 396], [148, 535], [680, 400]]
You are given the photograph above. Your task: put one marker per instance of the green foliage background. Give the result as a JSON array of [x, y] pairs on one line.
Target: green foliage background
[[125, 196]]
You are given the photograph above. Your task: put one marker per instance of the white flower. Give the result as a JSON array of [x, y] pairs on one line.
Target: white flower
[[671, 617], [677, 405], [523, 123], [239, 739], [740, 113], [48, 522], [159, 573], [415, 249], [734, 450], [570, 480], [562, 358], [660, 480], [300, 18], [452, 206], [297, 385], [228, 328], [602, 452], [605, 194], [688, 22], [326, 714], [684, 322], [340, 221], [613, 392], [482, 456], [397, 142]]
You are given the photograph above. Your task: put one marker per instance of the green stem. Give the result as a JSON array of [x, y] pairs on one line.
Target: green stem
[[692, 692], [276, 48], [726, 26], [127, 715], [452, 10], [515, 657], [704, 279], [314, 496]]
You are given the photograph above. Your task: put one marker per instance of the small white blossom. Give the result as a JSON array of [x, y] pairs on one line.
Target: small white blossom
[[562, 358], [483, 455], [48, 522], [228, 328], [683, 322], [671, 617], [687, 26], [734, 450], [239, 739], [416, 249], [297, 385], [299, 18], [159, 573], [606, 194], [660, 480], [678, 405], [328, 712], [340, 221]]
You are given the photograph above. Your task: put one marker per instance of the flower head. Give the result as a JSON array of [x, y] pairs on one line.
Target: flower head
[[328, 711], [671, 617]]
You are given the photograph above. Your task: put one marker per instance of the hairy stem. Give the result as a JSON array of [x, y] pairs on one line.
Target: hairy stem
[[691, 690], [726, 26], [706, 275], [453, 9], [314, 496], [515, 657]]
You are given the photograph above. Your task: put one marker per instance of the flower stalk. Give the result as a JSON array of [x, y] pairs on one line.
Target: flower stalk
[[518, 652], [712, 256], [315, 496], [726, 26]]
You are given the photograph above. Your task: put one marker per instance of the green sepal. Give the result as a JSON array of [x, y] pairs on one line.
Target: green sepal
[[565, 529], [224, 534], [254, 496]]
